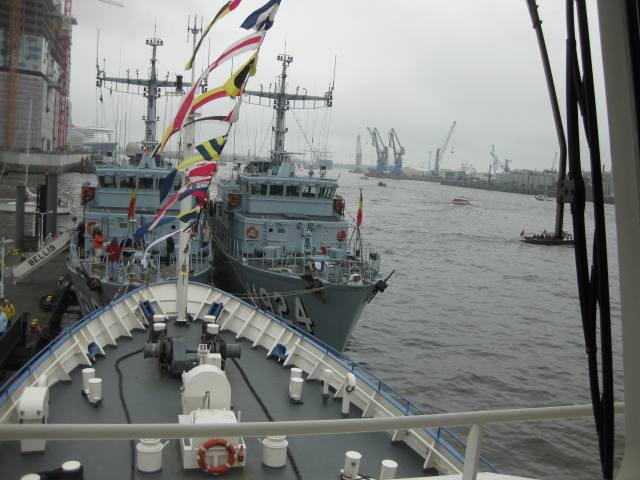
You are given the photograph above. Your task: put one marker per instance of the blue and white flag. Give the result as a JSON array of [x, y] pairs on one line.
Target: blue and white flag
[[262, 19]]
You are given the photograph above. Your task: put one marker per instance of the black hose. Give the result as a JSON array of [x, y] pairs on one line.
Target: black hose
[[126, 409], [593, 287], [266, 412]]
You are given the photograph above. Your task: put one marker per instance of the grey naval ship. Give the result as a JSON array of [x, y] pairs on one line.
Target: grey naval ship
[[112, 207], [282, 239]]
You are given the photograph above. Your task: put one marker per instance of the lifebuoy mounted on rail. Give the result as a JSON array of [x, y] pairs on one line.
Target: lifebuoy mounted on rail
[[233, 200], [87, 194], [252, 231], [216, 442], [339, 205], [91, 224], [342, 235]]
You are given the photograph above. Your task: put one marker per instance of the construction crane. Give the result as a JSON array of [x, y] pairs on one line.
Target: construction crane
[[441, 151], [497, 163], [381, 150], [397, 153]]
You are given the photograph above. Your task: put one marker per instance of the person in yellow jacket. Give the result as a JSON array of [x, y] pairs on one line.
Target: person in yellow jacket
[[8, 309]]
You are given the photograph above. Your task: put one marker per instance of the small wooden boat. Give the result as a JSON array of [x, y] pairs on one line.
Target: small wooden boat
[[545, 238]]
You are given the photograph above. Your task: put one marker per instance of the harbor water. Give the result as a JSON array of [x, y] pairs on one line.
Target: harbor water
[[473, 319]]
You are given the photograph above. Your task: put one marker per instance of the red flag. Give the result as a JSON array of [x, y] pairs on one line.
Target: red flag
[[359, 217], [132, 204]]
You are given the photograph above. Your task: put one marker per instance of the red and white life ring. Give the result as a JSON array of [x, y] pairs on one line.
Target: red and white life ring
[[90, 225], [216, 442], [342, 235], [252, 231]]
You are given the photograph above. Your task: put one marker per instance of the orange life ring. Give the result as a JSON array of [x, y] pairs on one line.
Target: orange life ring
[[342, 235], [87, 194], [233, 200], [216, 442], [89, 225], [252, 232]]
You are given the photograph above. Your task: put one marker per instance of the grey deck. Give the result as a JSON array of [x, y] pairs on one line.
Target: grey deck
[[153, 398]]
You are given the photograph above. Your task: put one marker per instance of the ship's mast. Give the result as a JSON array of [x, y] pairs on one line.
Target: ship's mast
[[280, 108], [152, 94], [188, 151], [151, 90], [283, 102]]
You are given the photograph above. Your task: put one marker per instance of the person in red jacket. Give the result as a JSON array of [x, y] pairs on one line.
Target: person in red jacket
[[113, 256]]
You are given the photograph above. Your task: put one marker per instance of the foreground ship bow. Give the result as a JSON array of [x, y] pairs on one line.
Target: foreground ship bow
[[283, 239]]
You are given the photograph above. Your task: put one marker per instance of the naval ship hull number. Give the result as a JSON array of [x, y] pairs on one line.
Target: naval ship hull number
[[276, 304]]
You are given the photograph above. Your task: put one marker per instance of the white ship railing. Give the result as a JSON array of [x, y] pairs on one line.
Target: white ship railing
[[127, 268], [383, 409], [477, 420], [368, 268]]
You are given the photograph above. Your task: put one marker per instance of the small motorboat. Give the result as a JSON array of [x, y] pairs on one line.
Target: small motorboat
[[461, 201], [382, 184]]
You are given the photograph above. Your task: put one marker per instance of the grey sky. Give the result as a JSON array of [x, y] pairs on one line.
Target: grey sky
[[412, 65]]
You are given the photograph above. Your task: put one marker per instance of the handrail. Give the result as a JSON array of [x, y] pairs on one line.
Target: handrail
[[299, 427]]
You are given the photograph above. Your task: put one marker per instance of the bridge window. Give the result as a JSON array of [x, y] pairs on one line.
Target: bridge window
[[309, 191], [326, 192], [107, 181], [293, 190], [145, 183], [276, 190], [127, 182]]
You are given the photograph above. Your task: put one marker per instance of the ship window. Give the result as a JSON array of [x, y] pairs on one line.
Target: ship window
[[276, 190], [145, 183], [107, 181], [325, 192], [309, 191], [293, 191], [127, 182]]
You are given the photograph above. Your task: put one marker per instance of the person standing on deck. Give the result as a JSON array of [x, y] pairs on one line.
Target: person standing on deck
[[4, 323], [8, 309], [113, 256], [80, 229], [171, 245], [98, 242]]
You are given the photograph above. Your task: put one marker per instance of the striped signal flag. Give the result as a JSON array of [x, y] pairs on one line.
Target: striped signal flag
[[359, 217]]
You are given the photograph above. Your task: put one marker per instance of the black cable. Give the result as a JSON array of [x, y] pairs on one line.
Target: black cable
[[266, 412], [126, 409], [593, 287]]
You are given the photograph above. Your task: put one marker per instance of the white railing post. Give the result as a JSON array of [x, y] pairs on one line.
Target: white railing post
[[472, 455]]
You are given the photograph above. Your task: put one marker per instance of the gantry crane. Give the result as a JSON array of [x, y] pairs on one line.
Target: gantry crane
[[381, 150], [441, 151], [397, 153]]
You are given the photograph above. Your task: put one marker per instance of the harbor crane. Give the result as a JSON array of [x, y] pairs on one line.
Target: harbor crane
[[441, 151], [381, 150], [497, 163], [397, 153]]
